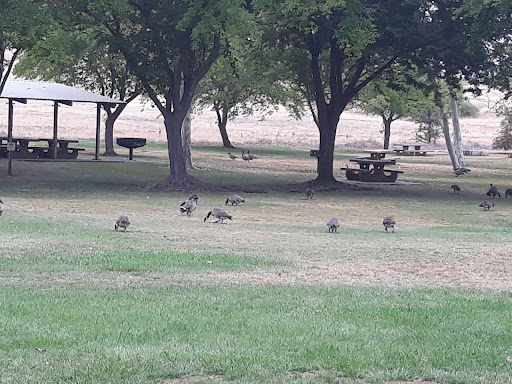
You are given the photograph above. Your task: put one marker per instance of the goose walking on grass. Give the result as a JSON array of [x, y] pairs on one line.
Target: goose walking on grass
[[188, 207], [245, 157], [486, 205], [235, 200], [1, 207], [455, 188], [389, 222], [219, 214], [492, 192], [122, 222], [251, 157], [310, 192], [231, 156], [333, 224]]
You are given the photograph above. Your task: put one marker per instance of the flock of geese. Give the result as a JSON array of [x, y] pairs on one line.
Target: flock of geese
[[244, 157], [491, 193], [333, 223]]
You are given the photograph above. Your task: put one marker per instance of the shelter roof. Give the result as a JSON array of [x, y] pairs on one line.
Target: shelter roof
[[33, 90]]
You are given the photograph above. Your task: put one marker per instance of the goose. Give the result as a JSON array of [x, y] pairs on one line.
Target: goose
[[188, 206], [245, 157], [333, 224], [235, 200], [231, 156], [122, 222], [251, 157], [455, 188], [218, 213], [461, 171], [310, 192], [1, 207], [486, 205], [389, 222], [493, 191], [508, 193]]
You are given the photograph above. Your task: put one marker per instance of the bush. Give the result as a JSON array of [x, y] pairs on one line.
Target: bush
[[504, 138], [466, 109]]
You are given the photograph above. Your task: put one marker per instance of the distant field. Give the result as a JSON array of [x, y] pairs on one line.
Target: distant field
[[357, 130], [269, 297]]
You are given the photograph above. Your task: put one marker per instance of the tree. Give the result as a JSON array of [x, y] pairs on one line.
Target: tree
[[242, 83], [333, 49], [504, 138], [22, 23], [83, 59], [169, 47], [391, 99]]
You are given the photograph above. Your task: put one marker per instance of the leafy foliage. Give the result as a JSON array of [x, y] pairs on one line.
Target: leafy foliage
[[504, 138]]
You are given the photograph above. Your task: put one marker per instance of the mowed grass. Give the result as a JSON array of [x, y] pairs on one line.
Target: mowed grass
[[269, 297]]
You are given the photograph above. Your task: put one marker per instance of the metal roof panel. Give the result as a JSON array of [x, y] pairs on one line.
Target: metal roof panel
[[33, 90]]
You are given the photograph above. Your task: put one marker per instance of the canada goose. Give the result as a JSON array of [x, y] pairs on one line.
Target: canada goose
[[461, 171], [486, 205], [251, 157], [235, 200], [310, 192], [188, 206], [389, 222], [1, 207], [333, 224], [231, 156], [218, 213], [122, 222], [245, 157], [455, 188], [508, 192], [492, 192]]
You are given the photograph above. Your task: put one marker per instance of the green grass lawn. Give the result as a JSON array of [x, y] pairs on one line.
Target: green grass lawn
[[269, 297]]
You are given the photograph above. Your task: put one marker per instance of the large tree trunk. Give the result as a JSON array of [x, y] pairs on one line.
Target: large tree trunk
[[446, 130], [178, 176], [187, 139], [387, 130], [457, 136], [112, 116], [222, 121], [327, 128]]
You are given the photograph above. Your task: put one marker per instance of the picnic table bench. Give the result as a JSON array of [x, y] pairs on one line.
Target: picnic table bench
[[373, 168], [411, 150], [23, 149]]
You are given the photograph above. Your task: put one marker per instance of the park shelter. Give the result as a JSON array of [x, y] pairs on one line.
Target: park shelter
[[22, 91]]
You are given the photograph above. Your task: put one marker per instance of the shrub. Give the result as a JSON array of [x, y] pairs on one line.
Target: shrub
[[466, 109], [504, 138]]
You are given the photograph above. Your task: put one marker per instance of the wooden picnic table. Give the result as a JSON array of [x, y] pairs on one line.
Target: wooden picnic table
[[378, 154], [25, 151], [372, 170], [411, 150], [63, 149]]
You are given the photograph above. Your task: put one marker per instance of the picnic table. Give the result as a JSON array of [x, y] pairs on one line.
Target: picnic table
[[63, 149], [411, 150], [26, 151], [23, 150], [373, 168]]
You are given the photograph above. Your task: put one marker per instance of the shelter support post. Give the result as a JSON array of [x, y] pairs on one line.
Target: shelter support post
[[98, 125], [55, 125], [9, 136]]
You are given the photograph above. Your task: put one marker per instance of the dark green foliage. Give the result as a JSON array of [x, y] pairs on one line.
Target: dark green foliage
[[466, 109], [429, 124], [504, 138]]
